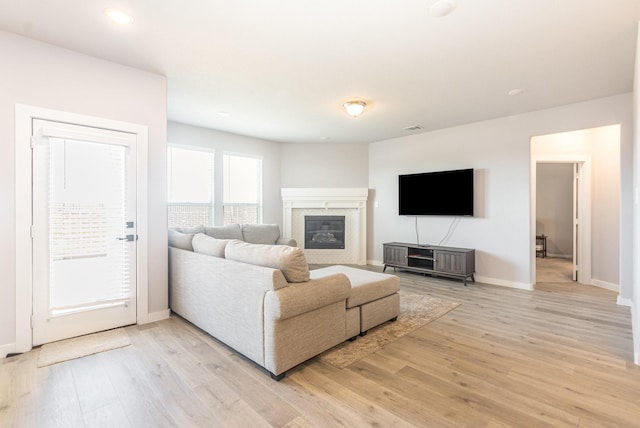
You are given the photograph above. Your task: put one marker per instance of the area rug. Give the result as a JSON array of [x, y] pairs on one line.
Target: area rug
[[64, 350], [415, 311]]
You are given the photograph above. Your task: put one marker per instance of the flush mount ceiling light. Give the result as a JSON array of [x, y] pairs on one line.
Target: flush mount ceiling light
[[442, 8], [515, 92], [354, 108], [118, 16]]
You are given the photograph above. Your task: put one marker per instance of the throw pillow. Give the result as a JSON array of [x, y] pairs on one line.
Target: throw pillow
[[180, 240], [207, 245], [261, 233], [231, 231], [191, 229], [290, 260]]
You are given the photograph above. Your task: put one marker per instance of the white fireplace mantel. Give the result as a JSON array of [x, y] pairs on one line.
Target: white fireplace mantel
[[296, 201]]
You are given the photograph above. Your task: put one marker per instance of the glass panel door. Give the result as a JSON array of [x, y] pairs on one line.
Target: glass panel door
[[84, 230]]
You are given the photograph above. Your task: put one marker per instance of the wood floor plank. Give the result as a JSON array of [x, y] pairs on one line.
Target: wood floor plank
[[558, 356]]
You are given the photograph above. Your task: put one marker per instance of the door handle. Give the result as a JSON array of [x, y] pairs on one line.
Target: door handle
[[129, 238]]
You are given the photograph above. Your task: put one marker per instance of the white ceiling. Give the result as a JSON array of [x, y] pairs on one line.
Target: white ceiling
[[283, 68]]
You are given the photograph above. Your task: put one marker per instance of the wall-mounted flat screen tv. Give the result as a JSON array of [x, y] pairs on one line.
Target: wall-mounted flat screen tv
[[436, 193]]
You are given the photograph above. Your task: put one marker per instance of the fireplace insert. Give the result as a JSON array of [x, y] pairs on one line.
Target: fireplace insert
[[324, 232]]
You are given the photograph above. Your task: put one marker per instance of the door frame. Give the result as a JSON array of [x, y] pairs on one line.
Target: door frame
[[24, 115], [584, 212]]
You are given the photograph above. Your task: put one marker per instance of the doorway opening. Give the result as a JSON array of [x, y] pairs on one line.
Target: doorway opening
[[556, 220], [585, 165]]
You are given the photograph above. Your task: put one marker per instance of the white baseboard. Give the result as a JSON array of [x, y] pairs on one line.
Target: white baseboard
[[635, 328], [623, 301], [375, 263], [7, 349], [504, 283], [606, 285], [159, 316]]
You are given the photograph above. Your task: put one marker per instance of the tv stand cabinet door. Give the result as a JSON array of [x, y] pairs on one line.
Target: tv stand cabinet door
[[451, 262], [395, 255]]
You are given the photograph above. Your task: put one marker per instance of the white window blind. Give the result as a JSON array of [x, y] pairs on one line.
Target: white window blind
[[87, 207], [190, 183], [242, 189]]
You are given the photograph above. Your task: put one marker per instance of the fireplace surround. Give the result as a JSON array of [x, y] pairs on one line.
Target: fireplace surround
[[350, 203]]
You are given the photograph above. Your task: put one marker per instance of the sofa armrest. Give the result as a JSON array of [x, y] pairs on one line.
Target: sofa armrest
[[303, 297], [287, 241]]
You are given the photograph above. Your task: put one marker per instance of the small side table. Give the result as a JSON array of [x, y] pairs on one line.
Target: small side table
[[541, 246]]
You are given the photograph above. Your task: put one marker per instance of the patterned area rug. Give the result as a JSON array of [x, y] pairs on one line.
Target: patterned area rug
[[415, 311], [56, 352]]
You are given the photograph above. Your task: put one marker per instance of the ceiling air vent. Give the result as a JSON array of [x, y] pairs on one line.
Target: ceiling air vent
[[413, 128]]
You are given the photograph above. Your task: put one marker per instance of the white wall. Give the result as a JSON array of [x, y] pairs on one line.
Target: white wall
[[42, 75], [325, 165], [499, 150], [554, 207], [605, 207], [221, 142]]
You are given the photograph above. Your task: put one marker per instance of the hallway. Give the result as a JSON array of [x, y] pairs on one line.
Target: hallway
[[553, 269]]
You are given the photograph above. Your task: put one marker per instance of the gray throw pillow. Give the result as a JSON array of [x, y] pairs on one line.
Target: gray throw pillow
[[231, 231], [190, 229], [261, 233]]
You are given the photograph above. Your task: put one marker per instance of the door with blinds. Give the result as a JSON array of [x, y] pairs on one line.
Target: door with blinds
[[84, 230]]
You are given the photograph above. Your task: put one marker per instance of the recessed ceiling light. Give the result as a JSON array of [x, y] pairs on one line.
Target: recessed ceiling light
[[515, 92], [224, 114], [442, 8], [324, 138], [118, 16]]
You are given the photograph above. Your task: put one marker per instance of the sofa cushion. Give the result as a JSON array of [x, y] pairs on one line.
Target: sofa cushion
[[192, 229], [231, 231], [290, 260], [206, 244], [180, 240], [366, 286], [260, 233]]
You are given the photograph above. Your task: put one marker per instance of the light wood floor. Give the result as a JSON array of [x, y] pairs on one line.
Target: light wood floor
[[558, 356], [554, 269]]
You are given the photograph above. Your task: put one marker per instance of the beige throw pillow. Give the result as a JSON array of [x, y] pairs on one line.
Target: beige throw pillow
[[207, 245], [290, 260]]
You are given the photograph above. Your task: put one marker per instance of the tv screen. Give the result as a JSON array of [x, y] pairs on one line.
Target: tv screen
[[436, 193]]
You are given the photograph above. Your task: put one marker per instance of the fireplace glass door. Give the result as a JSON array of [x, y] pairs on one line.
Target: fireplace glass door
[[325, 232]]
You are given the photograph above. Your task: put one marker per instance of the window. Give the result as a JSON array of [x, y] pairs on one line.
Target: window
[[242, 189], [190, 175]]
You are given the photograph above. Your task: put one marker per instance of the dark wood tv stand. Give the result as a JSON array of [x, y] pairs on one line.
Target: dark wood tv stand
[[431, 259]]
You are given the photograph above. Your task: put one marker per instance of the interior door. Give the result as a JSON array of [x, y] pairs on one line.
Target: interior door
[[84, 230]]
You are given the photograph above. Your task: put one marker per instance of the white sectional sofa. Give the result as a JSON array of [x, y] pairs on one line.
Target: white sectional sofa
[[262, 300], [258, 299]]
